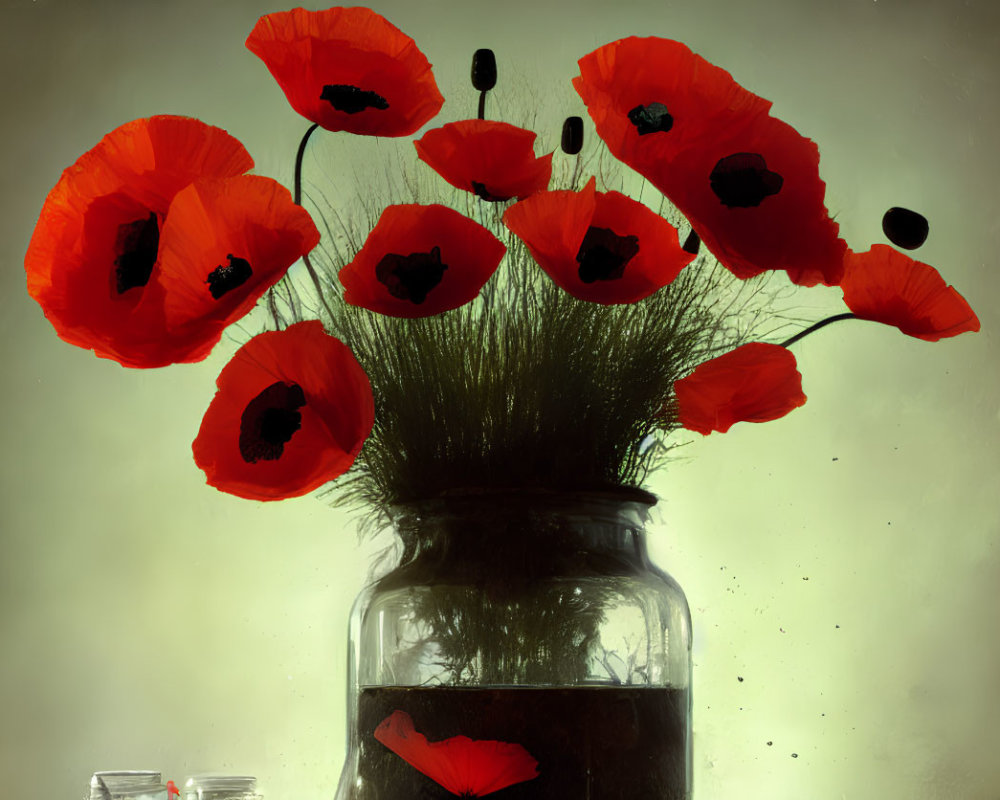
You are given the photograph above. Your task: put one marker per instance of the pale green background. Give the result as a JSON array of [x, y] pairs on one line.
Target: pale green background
[[149, 621]]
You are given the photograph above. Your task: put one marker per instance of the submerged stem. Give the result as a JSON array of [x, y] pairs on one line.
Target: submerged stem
[[815, 327]]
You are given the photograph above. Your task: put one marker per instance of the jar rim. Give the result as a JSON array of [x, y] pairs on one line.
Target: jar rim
[[622, 494]]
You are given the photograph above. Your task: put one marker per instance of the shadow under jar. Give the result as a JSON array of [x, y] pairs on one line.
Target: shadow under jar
[[533, 618]]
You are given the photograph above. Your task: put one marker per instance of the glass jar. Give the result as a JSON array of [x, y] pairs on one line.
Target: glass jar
[[221, 787], [530, 618], [128, 785]]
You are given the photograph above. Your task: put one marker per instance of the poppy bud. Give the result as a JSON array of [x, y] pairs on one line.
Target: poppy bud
[[572, 135], [484, 70], [692, 244], [905, 228]]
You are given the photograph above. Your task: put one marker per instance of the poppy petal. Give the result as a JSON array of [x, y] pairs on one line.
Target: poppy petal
[[756, 200], [348, 69], [552, 225], [756, 382], [651, 98], [420, 260], [224, 243], [292, 411], [494, 160], [884, 285], [463, 766], [600, 247], [91, 260], [748, 183]]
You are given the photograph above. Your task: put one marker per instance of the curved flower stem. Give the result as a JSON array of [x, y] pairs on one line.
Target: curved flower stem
[[298, 163], [815, 327], [297, 198]]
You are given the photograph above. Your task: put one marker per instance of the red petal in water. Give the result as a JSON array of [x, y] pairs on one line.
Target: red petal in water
[[463, 766]]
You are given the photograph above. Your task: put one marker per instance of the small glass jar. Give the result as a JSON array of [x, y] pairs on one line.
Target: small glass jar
[[127, 785], [221, 787], [531, 618]]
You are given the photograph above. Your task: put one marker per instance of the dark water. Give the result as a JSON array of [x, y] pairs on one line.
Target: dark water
[[591, 743]]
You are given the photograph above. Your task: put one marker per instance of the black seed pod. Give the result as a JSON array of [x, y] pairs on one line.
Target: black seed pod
[[905, 228], [484, 70], [572, 135]]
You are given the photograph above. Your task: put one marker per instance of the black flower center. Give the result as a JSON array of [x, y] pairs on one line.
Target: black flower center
[[269, 421], [480, 190], [604, 254], [136, 246], [352, 99], [226, 277], [411, 277], [651, 119], [743, 180]]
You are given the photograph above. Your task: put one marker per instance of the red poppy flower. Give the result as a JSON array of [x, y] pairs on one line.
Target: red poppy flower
[[887, 286], [602, 247], [465, 767], [421, 260], [494, 160], [120, 256], [292, 411], [348, 69], [748, 183], [756, 382]]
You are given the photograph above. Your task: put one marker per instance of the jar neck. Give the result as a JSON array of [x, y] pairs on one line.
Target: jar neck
[[523, 535]]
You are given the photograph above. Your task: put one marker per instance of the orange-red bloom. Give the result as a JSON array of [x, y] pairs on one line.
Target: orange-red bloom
[[748, 183], [465, 767], [348, 69], [494, 160], [887, 286], [292, 411], [421, 260], [602, 247], [154, 241], [756, 382]]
